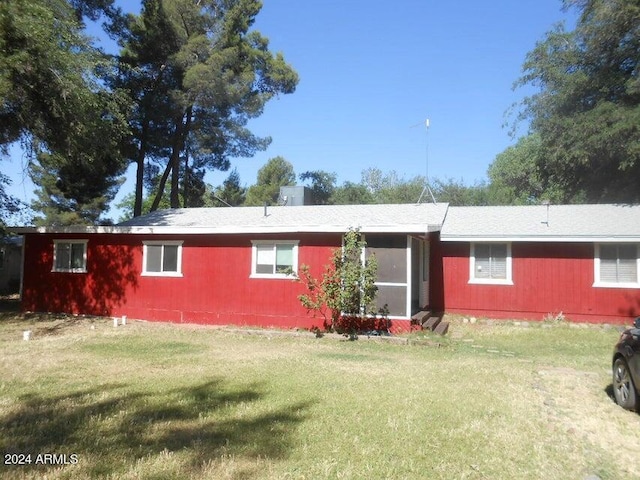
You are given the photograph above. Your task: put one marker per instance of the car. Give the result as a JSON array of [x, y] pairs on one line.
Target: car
[[626, 368]]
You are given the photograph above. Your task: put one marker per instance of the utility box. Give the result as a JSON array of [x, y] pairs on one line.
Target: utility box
[[295, 196]]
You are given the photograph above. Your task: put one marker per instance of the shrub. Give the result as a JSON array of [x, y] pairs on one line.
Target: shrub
[[345, 294]]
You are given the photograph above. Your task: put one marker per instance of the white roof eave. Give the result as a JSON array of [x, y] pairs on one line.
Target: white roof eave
[[227, 230], [542, 238]]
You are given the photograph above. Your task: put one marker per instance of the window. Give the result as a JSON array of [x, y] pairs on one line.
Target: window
[[616, 265], [490, 263], [70, 256], [162, 259], [274, 259]]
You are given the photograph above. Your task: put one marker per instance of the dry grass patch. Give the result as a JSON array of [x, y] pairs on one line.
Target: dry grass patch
[[163, 401]]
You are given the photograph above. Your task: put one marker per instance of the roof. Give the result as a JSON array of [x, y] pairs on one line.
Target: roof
[[560, 223], [387, 218]]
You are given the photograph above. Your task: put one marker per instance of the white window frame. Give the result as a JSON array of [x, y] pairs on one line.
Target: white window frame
[[58, 242], [274, 243], [162, 243], [490, 281], [598, 282]]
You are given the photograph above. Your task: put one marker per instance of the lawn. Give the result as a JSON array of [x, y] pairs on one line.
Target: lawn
[[158, 401]]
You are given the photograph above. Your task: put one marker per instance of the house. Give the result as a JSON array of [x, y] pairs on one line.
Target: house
[[534, 261], [10, 264], [225, 265]]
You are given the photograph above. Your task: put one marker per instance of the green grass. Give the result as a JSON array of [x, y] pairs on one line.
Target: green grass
[[158, 401]]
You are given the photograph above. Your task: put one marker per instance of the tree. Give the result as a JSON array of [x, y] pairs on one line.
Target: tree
[[515, 176], [53, 100], [197, 64], [322, 186], [587, 110], [277, 173], [350, 193], [10, 207], [347, 286], [230, 192]]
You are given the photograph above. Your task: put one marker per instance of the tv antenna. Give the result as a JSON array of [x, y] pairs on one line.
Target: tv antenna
[[427, 188]]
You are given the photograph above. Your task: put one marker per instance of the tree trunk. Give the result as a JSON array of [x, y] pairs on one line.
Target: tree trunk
[[161, 185], [179, 142], [142, 151]]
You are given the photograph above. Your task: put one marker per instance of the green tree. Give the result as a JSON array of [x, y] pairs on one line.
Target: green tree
[[350, 193], [55, 103], [322, 185], [10, 207], [277, 173], [198, 64], [515, 177], [231, 192], [456, 193], [587, 109], [392, 188]]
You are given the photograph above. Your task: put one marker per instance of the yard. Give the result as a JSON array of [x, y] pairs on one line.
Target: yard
[[158, 401]]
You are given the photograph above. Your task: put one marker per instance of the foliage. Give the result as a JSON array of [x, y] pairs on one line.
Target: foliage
[[197, 75], [587, 109], [230, 192], [10, 208], [323, 185], [346, 290], [53, 100], [350, 193], [277, 173]]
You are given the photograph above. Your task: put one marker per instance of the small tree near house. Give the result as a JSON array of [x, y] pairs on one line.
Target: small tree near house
[[345, 294]]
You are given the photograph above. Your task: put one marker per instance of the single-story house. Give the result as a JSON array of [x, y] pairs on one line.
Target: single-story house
[[539, 261], [225, 265]]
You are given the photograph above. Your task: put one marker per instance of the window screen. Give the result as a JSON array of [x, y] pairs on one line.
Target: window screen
[[277, 259], [162, 258], [70, 256]]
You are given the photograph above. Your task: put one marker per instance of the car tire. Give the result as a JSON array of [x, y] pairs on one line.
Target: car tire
[[624, 390]]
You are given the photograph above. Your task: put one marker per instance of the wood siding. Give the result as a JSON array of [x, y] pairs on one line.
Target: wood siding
[[215, 288], [548, 278]]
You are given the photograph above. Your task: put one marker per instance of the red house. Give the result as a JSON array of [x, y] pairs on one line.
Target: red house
[[536, 261], [223, 265]]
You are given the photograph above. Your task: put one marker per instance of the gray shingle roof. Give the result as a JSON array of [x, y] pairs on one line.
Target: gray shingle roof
[[405, 218], [563, 223]]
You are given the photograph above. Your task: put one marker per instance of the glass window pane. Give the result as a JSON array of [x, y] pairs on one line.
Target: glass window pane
[[63, 256], [284, 257], [499, 261], [265, 258], [154, 258], [482, 261], [170, 258], [77, 256], [618, 263]]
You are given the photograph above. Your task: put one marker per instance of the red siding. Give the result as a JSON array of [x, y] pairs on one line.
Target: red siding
[[215, 288], [548, 278]]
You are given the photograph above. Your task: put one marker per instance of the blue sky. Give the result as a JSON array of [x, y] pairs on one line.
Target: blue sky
[[372, 73]]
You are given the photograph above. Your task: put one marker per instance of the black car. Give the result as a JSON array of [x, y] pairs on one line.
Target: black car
[[626, 368]]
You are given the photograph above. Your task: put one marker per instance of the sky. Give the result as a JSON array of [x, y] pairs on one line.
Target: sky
[[373, 73]]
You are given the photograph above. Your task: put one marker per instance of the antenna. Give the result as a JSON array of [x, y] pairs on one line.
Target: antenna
[[427, 188]]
